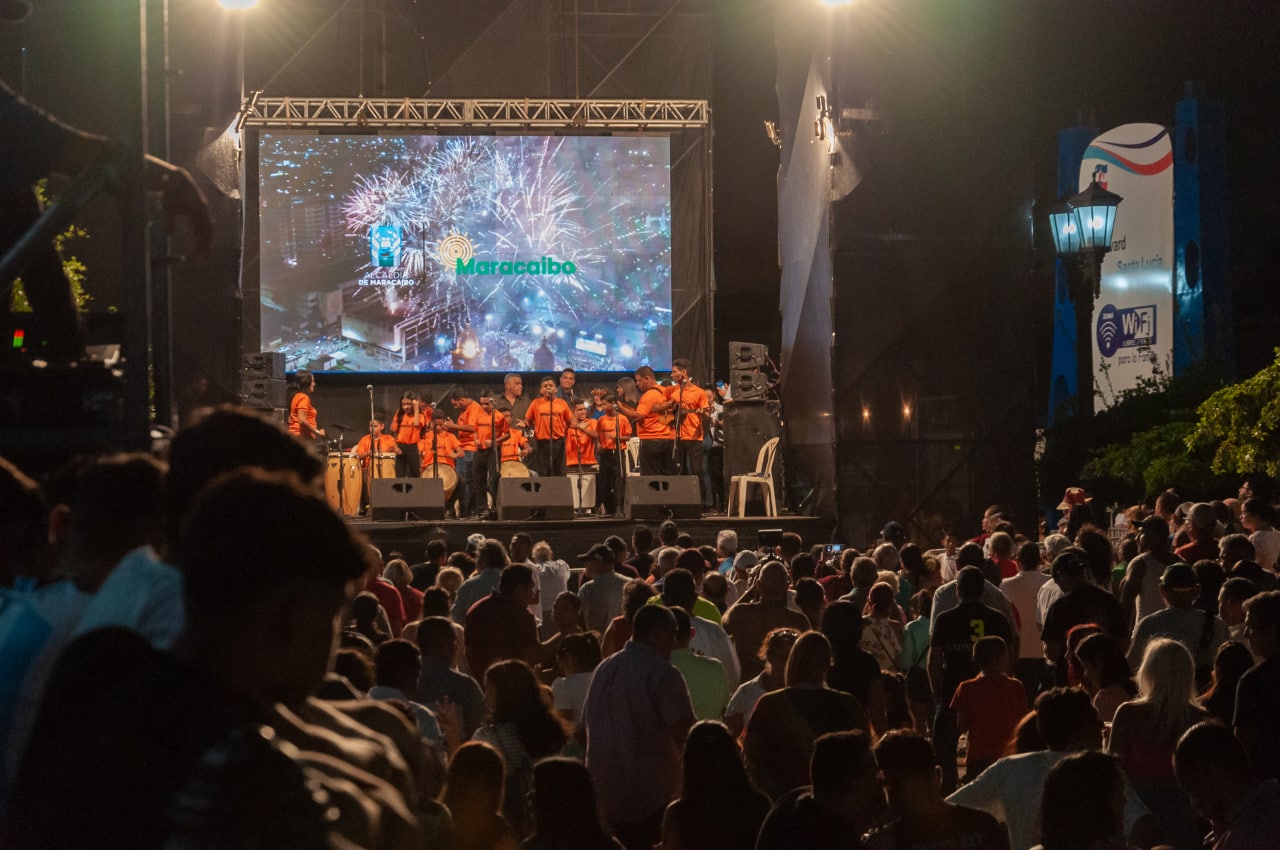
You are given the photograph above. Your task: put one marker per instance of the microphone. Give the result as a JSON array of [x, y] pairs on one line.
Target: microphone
[[369, 387]]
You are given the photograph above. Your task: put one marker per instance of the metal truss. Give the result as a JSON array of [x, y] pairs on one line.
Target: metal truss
[[358, 113]]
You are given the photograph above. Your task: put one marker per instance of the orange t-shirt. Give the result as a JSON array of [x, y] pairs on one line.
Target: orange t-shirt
[[471, 416], [550, 418], [302, 416], [693, 401], [580, 448], [483, 434], [610, 428], [511, 448], [649, 427], [386, 445], [407, 427], [446, 442]]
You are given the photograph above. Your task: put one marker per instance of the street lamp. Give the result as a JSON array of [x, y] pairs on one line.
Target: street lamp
[[1082, 226]]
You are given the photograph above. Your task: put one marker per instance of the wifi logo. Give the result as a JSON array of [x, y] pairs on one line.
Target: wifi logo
[[1109, 331]]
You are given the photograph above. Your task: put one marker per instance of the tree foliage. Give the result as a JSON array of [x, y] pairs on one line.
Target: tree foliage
[[1239, 425], [75, 270]]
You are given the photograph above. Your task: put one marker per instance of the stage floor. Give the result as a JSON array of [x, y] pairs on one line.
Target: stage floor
[[571, 537]]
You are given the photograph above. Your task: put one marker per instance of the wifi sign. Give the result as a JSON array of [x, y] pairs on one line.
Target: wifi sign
[[1127, 327]]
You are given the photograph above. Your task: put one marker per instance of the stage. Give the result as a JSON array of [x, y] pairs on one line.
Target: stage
[[571, 537]]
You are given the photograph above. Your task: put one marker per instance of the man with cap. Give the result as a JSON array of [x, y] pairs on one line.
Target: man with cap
[[601, 593], [1199, 631], [1081, 602], [894, 533], [1202, 526]]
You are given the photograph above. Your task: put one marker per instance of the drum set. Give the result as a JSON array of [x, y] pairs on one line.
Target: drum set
[[344, 483]]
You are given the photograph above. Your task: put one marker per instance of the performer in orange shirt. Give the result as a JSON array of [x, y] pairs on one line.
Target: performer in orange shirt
[[612, 432], [469, 413], [302, 416], [492, 430], [379, 443], [439, 444], [652, 418], [408, 427], [692, 405], [550, 418], [517, 448], [580, 442]]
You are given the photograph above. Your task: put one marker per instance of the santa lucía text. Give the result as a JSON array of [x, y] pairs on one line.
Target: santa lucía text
[[545, 265]]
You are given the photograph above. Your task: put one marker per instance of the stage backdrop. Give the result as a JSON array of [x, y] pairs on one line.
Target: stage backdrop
[[1133, 315]]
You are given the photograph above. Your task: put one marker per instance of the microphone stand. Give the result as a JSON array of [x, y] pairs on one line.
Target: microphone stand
[[679, 420]]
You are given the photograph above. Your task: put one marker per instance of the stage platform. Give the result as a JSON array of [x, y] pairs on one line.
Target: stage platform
[[570, 537]]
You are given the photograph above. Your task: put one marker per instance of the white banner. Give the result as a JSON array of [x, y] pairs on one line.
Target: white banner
[[1133, 316]]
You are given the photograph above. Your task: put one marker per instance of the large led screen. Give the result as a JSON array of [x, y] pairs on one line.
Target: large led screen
[[465, 253]]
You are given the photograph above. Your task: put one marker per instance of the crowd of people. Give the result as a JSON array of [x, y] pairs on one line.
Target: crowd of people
[[197, 651]]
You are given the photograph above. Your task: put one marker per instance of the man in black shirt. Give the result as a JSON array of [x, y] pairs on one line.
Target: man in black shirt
[[951, 660], [1082, 602]]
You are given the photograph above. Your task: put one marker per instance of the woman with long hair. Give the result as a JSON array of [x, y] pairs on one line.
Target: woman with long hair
[[1232, 661], [302, 414], [408, 426], [523, 727], [774, 651], [564, 813], [1146, 730], [1106, 674], [473, 793], [718, 807]]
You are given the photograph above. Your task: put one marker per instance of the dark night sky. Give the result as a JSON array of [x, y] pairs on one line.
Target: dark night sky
[[1038, 61]]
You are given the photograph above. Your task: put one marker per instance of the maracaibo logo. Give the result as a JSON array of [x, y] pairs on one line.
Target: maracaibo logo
[[457, 251]]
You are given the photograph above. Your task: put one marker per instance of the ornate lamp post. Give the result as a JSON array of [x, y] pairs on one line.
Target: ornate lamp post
[[1082, 226]]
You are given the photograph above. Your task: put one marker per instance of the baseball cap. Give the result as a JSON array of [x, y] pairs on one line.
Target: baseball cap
[[601, 551], [1178, 577], [745, 560], [1203, 515]]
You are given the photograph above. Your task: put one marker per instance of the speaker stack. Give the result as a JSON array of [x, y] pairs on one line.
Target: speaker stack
[[262, 383], [753, 417]]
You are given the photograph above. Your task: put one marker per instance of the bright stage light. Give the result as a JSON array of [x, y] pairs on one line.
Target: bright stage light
[[237, 4]]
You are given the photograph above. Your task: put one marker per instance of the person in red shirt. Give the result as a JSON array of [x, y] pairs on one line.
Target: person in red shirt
[[407, 427], [551, 418], [492, 430], [989, 705], [375, 442], [302, 416], [653, 423], [691, 407], [612, 432]]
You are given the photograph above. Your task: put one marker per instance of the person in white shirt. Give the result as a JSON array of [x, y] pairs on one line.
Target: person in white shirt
[[1022, 591], [1258, 516], [553, 579]]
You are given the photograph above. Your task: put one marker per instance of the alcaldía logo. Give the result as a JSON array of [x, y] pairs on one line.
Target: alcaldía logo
[[457, 252]]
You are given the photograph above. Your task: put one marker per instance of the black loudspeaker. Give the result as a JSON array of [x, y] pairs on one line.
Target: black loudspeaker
[[663, 497], [748, 355], [405, 499], [747, 386], [264, 392], [535, 498], [747, 427], [265, 364]]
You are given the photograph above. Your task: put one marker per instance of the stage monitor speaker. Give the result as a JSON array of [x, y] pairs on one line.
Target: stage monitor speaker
[[406, 499], [264, 364], [748, 355], [747, 386], [264, 392], [747, 427], [663, 497], [535, 498]]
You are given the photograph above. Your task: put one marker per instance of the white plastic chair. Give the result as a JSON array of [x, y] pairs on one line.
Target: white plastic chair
[[633, 456], [762, 477]]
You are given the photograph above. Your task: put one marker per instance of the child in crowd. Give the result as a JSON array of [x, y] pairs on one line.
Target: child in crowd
[[988, 706]]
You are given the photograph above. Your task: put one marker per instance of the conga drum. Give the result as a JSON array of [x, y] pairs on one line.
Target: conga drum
[[383, 465], [447, 474], [344, 499], [513, 469]]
